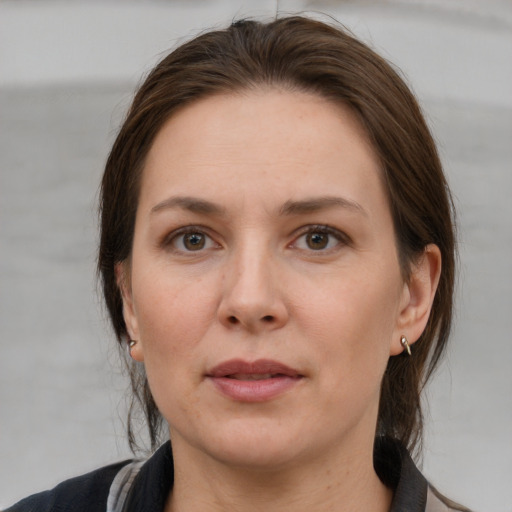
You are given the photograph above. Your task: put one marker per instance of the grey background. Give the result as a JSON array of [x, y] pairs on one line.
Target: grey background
[[67, 70]]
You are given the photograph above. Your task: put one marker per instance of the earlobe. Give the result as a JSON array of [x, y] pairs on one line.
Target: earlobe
[[130, 319], [417, 298], [135, 351]]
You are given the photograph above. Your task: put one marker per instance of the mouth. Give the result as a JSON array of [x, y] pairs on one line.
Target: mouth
[[256, 381], [253, 376], [256, 370]]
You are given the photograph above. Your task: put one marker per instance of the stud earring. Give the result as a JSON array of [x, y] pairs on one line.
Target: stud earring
[[405, 344]]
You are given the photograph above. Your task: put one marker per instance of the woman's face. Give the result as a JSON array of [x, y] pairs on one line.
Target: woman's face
[[264, 287]]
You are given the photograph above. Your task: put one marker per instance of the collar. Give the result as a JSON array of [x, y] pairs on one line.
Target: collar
[[153, 483], [396, 469]]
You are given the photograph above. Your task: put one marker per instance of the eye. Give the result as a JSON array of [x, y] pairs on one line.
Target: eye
[[191, 240], [194, 241], [317, 241], [320, 238]]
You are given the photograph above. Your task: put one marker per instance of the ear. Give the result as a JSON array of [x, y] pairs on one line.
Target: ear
[[417, 298], [122, 272]]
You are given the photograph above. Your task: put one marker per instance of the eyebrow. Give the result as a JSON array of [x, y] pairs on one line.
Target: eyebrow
[[192, 204], [305, 206], [315, 204]]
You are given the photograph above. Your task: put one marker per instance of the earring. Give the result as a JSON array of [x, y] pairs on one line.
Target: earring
[[405, 344], [131, 344]]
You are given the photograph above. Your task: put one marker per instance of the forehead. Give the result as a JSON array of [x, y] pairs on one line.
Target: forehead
[[275, 139]]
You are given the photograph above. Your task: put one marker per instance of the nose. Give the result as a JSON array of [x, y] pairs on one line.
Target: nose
[[252, 292]]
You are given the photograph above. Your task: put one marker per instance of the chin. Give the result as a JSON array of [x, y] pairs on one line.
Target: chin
[[255, 445], [256, 456]]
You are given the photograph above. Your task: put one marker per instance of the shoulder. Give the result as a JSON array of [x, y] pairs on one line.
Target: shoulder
[[436, 502], [88, 492]]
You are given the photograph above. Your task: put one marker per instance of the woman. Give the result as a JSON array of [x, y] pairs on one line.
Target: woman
[[277, 252]]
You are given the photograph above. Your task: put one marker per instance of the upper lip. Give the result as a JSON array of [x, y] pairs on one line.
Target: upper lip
[[261, 366]]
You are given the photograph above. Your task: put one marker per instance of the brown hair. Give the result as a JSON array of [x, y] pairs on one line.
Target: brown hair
[[298, 53]]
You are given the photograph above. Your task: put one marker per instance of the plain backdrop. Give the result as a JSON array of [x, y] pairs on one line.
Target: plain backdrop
[[67, 72]]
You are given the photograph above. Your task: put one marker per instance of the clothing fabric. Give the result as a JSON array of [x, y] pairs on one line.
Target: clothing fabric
[[143, 486]]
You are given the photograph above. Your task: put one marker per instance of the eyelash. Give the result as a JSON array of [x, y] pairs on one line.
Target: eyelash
[[342, 239], [169, 242]]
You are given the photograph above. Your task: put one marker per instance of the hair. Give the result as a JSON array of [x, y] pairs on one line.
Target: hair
[[297, 54]]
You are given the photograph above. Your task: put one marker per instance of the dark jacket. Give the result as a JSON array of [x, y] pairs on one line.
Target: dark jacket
[[143, 486]]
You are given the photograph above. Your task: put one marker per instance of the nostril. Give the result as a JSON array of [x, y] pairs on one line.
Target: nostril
[[268, 318], [233, 320]]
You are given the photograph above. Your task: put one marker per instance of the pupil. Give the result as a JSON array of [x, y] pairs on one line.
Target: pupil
[[194, 241], [317, 240]]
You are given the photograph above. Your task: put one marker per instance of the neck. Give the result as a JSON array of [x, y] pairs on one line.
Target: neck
[[341, 483]]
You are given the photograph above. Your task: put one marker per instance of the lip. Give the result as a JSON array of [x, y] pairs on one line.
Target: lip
[[256, 381]]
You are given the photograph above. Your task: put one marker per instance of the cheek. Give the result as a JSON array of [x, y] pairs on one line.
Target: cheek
[[173, 314], [352, 318], [173, 318], [359, 304]]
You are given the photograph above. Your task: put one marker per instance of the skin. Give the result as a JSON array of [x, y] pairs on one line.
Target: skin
[[256, 286]]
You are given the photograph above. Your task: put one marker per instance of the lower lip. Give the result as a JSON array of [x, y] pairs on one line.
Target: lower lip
[[254, 390]]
